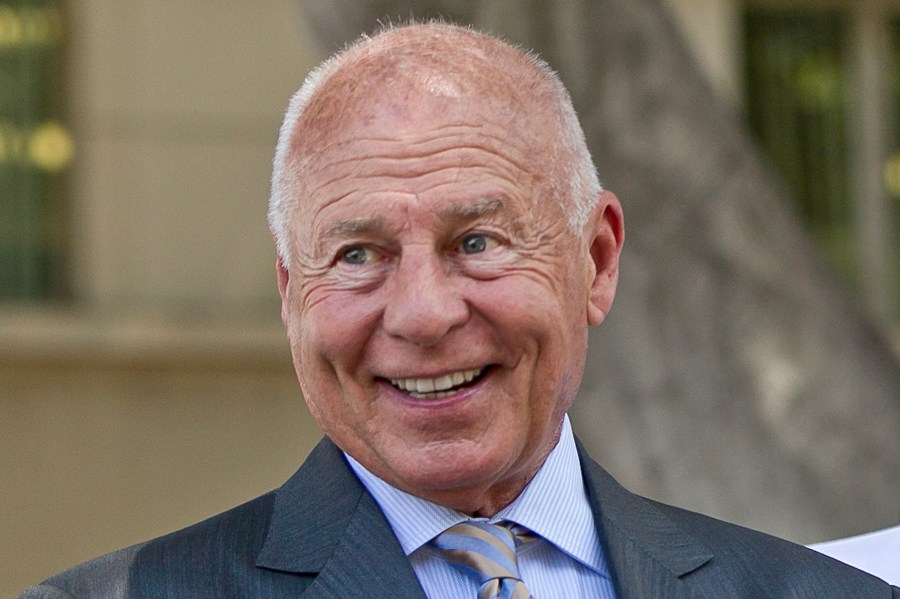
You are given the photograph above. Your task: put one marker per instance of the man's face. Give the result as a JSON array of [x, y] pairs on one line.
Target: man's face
[[437, 303]]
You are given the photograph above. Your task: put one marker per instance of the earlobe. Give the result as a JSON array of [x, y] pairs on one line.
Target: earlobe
[[607, 234]]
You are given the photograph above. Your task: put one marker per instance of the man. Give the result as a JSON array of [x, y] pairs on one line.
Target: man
[[443, 245]]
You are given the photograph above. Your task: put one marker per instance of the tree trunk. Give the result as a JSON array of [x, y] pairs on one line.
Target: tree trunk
[[734, 375]]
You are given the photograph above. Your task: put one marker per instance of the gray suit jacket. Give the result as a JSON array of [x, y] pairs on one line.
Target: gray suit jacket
[[321, 535]]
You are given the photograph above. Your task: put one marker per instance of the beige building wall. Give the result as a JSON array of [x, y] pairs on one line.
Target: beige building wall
[[176, 108], [164, 393]]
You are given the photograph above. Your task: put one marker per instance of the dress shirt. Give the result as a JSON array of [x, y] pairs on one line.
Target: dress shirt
[[566, 560]]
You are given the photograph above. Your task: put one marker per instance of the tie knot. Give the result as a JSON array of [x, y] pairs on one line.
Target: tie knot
[[488, 551]]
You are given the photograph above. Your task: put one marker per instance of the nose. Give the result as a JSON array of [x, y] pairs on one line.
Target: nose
[[424, 303]]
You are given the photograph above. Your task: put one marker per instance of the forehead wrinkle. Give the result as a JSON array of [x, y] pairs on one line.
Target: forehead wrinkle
[[401, 164], [421, 144], [379, 225], [377, 137], [439, 133]]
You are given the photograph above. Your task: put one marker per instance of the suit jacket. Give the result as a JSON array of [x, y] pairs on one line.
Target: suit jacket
[[321, 535]]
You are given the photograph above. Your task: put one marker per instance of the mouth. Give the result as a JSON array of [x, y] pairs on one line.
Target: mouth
[[440, 387]]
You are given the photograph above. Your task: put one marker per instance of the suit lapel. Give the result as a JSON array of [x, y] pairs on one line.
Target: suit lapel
[[648, 553], [327, 527]]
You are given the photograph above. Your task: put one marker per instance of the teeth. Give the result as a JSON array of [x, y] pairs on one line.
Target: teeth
[[438, 387], [443, 383]]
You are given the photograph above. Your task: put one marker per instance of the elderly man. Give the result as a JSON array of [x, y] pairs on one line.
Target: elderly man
[[443, 245]]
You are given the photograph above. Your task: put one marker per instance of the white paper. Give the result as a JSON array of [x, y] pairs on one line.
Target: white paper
[[876, 552]]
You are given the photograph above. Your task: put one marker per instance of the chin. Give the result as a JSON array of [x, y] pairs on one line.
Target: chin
[[448, 470]]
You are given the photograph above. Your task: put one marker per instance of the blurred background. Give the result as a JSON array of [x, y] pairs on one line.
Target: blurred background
[[749, 369]]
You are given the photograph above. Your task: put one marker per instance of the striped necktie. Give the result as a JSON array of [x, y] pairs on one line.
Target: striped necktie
[[489, 551]]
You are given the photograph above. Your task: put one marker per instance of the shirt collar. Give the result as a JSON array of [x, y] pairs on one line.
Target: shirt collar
[[554, 505]]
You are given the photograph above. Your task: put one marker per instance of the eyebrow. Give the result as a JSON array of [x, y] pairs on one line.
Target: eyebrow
[[351, 227], [481, 207], [354, 226], [376, 225]]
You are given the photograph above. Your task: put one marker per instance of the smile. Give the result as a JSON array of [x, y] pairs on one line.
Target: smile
[[442, 386]]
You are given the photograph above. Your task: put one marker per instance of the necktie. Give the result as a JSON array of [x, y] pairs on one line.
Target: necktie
[[488, 550]]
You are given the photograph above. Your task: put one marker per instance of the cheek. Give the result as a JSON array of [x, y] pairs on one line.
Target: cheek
[[328, 350], [545, 325], [534, 302], [332, 332]]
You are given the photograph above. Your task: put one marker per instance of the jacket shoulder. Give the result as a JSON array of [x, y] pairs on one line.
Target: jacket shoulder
[[753, 559], [178, 564], [105, 576], [653, 546]]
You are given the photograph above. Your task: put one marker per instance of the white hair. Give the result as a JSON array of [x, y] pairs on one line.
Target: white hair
[[577, 191]]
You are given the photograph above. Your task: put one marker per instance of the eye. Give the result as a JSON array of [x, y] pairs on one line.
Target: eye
[[357, 255], [475, 243]]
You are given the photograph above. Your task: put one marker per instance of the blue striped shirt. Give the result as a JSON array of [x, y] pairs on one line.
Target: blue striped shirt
[[565, 561]]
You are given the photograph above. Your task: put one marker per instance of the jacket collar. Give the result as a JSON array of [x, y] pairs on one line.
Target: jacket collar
[[324, 524], [649, 554]]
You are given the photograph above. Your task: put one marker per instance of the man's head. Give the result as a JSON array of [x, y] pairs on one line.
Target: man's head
[[443, 246]]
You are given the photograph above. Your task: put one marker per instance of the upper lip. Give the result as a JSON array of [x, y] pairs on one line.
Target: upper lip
[[426, 384]]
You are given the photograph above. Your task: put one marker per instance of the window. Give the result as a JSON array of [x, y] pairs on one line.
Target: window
[[817, 99], [35, 150], [892, 168]]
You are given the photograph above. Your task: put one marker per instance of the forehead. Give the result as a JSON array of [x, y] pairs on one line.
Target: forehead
[[447, 169], [418, 135], [401, 74], [444, 123]]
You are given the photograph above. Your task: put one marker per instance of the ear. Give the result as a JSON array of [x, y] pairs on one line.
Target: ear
[[606, 234], [283, 280]]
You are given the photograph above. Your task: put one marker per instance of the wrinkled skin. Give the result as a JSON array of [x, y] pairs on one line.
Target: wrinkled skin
[[426, 243]]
